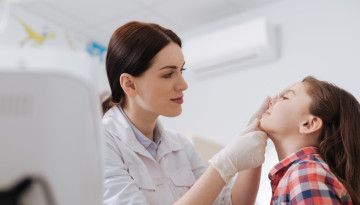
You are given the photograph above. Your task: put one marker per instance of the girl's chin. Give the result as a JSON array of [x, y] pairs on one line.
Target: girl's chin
[[261, 127]]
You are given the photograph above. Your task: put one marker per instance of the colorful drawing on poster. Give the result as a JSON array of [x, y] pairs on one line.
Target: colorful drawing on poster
[[95, 49], [69, 40], [36, 37]]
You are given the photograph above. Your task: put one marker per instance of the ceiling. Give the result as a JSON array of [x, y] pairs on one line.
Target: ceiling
[[98, 19]]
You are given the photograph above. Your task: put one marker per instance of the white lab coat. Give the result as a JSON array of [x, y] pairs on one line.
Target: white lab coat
[[133, 176]]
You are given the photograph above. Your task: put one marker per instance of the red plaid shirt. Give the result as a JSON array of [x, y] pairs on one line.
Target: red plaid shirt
[[304, 178]]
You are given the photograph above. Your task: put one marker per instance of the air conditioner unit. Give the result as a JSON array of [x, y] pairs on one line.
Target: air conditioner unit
[[248, 43]]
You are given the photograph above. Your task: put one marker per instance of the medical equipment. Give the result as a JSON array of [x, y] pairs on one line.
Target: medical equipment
[[50, 125]]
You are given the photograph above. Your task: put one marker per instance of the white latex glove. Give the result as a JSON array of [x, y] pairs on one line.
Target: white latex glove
[[246, 151]]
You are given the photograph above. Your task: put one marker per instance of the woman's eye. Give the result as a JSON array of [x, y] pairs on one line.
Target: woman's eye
[[168, 75], [171, 73], [284, 98]]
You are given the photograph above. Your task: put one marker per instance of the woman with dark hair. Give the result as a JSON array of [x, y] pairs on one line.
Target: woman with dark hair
[[315, 127], [147, 164]]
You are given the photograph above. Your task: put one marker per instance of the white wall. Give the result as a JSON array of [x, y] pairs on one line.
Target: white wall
[[319, 38]]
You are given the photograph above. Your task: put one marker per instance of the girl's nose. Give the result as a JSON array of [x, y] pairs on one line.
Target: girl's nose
[[272, 102]]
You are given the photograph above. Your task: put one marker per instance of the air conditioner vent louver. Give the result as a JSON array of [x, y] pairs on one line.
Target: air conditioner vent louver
[[216, 66]]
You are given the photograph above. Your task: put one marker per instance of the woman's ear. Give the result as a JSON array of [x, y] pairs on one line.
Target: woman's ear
[[127, 84], [311, 125]]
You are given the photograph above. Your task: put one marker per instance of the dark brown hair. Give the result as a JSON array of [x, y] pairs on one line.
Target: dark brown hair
[[339, 142], [131, 50]]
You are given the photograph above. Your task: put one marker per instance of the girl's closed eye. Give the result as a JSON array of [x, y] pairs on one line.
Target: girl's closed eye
[[182, 70], [285, 98]]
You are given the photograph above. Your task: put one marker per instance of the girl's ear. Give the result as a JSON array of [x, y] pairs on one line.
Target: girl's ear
[[311, 124], [127, 84]]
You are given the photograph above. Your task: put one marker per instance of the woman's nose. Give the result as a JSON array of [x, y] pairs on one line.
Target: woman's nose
[[181, 84]]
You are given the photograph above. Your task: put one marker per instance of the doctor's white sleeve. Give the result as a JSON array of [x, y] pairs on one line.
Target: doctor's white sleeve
[[199, 167], [119, 187]]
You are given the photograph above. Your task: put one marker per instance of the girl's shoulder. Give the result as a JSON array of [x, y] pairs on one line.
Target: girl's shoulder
[[311, 168], [312, 175]]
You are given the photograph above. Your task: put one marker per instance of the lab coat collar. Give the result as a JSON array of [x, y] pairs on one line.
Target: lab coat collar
[[168, 142], [116, 123]]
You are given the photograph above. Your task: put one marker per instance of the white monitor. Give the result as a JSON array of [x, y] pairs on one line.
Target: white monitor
[[50, 125]]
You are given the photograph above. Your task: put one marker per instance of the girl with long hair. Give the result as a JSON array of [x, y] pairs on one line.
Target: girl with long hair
[[315, 127]]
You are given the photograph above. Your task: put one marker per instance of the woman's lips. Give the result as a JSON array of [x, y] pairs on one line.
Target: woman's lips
[[178, 100]]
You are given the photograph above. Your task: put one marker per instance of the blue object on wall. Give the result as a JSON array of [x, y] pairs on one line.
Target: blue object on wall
[[96, 49]]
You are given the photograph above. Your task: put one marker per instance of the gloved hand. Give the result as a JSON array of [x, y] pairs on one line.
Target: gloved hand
[[263, 107], [246, 151]]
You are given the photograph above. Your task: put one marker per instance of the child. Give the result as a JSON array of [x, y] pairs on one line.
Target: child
[[315, 127]]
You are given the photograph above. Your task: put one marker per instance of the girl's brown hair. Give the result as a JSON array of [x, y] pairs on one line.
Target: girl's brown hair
[[131, 50], [339, 142]]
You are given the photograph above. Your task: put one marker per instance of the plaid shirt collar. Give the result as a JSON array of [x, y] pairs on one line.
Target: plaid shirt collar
[[279, 170]]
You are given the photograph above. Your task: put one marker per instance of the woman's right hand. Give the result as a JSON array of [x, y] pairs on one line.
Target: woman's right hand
[[246, 151]]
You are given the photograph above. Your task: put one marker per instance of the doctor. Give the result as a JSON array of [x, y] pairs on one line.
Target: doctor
[[147, 164]]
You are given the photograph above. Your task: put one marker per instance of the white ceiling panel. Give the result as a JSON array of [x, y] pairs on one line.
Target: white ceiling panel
[[152, 2], [248, 4], [90, 12], [96, 11], [56, 14], [190, 13], [98, 19], [143, 15]]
